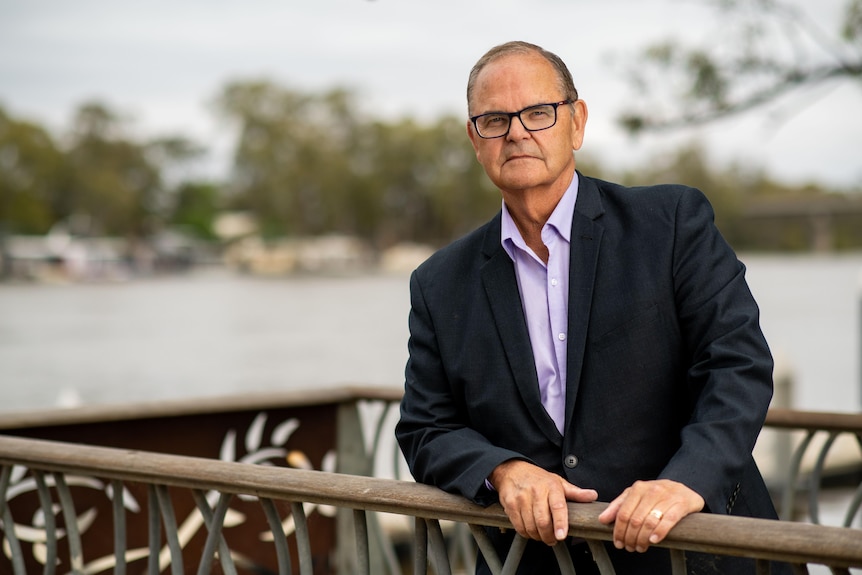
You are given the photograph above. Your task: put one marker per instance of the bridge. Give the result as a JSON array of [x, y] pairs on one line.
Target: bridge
[[822, 214]]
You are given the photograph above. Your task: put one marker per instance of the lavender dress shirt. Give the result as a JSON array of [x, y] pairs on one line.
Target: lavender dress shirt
[[544, 295]]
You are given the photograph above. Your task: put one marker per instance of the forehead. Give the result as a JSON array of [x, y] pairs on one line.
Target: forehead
[[515, 80]]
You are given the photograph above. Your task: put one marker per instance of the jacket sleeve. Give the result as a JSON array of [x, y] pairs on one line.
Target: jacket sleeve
[[440, 446], [729, 376]]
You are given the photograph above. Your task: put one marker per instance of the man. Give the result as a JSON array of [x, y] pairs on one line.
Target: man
[[590, 342]]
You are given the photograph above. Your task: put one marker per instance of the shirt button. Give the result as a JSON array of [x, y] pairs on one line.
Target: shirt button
[[554, 282], [571, 461], [561, 337]]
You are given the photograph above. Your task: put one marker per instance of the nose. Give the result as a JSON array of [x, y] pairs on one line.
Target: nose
[[517, 130]]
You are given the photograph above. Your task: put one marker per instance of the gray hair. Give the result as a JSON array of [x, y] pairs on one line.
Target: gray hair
[[567, 85]]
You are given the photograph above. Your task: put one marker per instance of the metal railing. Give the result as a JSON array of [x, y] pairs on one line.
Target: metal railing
[[214, 485], [817, 435]]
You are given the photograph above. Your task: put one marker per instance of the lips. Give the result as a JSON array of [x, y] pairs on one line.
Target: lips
[[520, 156]]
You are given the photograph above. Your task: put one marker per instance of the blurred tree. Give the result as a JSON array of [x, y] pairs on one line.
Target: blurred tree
[[110, 181], [428, 185], [175, 156], [30, 172], [185, 200], [196, 205], [308, 164], [291, 155], [766, 50], [464, 197]]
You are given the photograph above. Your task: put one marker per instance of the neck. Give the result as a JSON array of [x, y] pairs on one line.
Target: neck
[[530, 210], [530, 216]]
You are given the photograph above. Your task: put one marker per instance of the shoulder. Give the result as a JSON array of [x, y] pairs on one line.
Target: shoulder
[[654, 204], [463, 254], [652, 196]]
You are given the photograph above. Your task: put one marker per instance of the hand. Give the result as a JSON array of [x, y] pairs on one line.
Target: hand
[[535, 499], [645, 512]]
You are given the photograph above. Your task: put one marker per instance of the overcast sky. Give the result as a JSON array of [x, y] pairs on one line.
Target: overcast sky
[[160, 62]]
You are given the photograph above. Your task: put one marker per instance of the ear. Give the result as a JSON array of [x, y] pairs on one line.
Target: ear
[[579, 123], [474, 138]]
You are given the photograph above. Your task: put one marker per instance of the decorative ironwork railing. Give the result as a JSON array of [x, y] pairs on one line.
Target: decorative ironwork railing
[[55, 467], [76, 507], [829, 428]]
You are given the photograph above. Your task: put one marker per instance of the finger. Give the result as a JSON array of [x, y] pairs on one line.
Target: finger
[[535, 515], [574, 493], [514, 515], [559, 518], [673, 505], [609, 515], [512, 507], [549, 513], [528, 522], [653, 520], [669, 520], [627, 522], [641, 523], [626, 528]]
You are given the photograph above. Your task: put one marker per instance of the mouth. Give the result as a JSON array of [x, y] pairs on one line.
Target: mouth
[[520, 157], [515, 153]]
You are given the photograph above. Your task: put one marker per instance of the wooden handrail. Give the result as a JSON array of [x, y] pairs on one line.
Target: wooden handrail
[[755, 538], [814, 420]]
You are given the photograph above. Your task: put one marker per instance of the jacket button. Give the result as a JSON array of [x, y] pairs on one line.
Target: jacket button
[[571, 461]]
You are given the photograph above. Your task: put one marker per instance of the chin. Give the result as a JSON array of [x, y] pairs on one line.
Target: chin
[[523, 182]]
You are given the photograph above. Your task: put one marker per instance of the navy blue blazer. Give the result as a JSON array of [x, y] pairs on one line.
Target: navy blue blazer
[[669, 375]]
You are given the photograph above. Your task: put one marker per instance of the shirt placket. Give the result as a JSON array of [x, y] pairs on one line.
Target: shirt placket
[[556, 288]]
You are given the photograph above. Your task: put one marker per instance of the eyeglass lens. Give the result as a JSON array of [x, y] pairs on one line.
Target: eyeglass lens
[[534, 118]]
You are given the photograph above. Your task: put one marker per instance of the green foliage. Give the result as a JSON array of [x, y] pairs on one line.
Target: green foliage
[[196, 207], [102, 179], [31, 169], [309, 164], [306, 165], [852, 29]]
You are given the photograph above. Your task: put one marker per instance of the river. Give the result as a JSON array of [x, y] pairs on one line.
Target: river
[[213, 332]]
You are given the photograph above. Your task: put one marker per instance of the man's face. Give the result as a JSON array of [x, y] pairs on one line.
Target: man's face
[[524, 160]]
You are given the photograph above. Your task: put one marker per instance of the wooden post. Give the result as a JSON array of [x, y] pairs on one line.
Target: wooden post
[[859, 334]]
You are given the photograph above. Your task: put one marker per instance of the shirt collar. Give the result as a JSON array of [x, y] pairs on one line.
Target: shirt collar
[[560, 220]]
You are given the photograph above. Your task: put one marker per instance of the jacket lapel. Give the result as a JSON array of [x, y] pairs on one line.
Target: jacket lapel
[[584, 255], [501, 288]]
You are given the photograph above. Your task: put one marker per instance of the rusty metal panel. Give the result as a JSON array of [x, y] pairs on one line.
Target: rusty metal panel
[[304, 435]]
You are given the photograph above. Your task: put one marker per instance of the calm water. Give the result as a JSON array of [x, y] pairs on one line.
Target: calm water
[[205, 334], [214, 333]]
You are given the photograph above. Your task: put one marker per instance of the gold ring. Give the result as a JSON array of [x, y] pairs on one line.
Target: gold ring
[[657, 514]]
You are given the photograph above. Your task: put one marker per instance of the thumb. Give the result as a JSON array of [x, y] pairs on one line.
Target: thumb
[[578, 494], [609, 515]]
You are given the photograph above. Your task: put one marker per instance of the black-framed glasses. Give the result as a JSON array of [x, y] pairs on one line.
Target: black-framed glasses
[[533, 118]]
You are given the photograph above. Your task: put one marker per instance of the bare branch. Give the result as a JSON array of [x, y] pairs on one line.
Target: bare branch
[[685, 86]]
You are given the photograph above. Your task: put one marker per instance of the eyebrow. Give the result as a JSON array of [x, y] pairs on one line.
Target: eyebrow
[[512, 112]]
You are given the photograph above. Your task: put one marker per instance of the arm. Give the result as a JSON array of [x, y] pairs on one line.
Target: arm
[[729, 382], [440, 447]]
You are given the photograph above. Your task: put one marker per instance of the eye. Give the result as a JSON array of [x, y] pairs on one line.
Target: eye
[[539, 112], [494, 119]]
